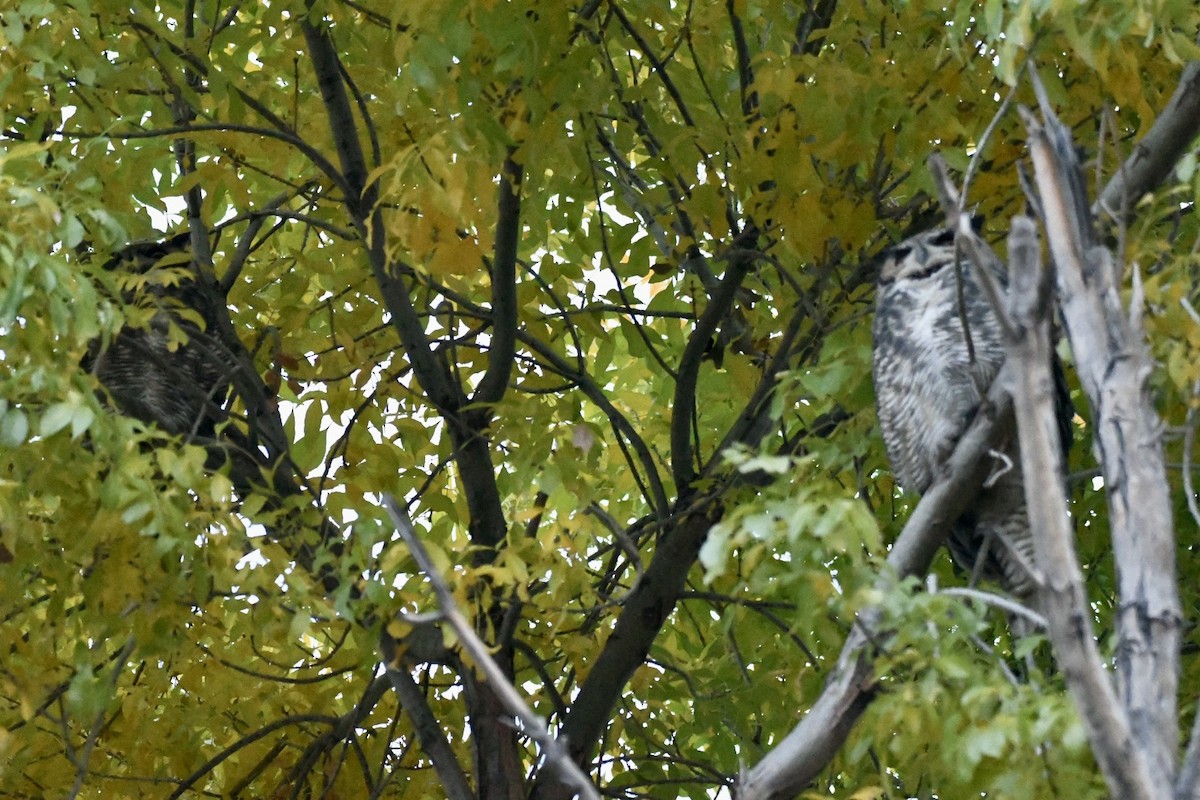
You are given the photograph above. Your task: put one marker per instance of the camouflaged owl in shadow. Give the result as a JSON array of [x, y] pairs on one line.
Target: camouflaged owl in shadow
[[171, 370]]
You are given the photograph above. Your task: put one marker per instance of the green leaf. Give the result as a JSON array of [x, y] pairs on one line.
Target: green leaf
[[57, 417], [14, 427]]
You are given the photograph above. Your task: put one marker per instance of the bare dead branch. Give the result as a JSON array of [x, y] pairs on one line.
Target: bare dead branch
[[1062, 595], [966, 240], [1001, 602], [1113, 367]]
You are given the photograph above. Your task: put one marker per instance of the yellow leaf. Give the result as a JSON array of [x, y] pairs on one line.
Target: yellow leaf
[[459, 256]]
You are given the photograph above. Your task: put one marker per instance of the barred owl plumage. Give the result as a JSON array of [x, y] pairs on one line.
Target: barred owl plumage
[[151, 372], [928, 388]]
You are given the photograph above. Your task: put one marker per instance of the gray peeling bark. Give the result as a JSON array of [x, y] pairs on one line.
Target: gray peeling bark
[[1113, 366], [1063, 595]]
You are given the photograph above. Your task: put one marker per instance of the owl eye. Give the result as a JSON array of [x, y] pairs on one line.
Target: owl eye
[[901, 251], [943, 238]]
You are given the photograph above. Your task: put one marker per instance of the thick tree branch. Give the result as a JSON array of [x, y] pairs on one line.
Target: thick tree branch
[[799, 758], [435, 378], [1062, 596], [472, 448], [325, 62], [504, 287], [1187, 783], [1159, 151], [494, 744], [643, 614], [1113, 367], [683, 406], [429, 734], [745, 69], [534, 726]]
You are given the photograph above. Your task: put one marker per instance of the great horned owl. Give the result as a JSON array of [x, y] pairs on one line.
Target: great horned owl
[[169, 371], [929, 381]]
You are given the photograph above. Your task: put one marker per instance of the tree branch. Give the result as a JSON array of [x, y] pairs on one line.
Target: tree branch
[[1062, 595], [683, 405], [656, 495], [645, 610], [435, 378], [535, 727], [745, 69], [1159, 151], [323, 56], [817, 18], [430, 735], [504, 287], [1113, 367], [487, 524], [241, 252]]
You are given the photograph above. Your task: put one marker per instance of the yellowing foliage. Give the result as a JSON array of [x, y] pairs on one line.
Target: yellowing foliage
[[161, 632]]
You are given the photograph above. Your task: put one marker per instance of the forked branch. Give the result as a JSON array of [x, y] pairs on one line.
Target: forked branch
[[1114, 366]]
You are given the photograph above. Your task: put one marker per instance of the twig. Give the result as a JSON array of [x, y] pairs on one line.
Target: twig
[[81, 762], [973, 164], [987, 264], [997, 601], [1189, 439]]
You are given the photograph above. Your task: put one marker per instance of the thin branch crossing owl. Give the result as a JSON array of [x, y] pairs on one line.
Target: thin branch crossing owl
[[930, 378]]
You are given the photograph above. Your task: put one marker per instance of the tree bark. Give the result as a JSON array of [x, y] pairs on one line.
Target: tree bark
[[1158, 153], [1113, 367], [1063, 595]]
